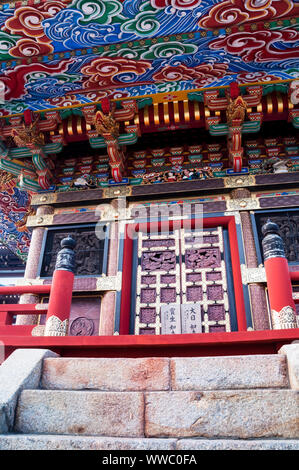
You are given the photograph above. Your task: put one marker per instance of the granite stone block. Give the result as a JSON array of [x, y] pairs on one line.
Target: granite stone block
[[118, 374], [243, 414], [21, 370], [80, 412], [229, 372]]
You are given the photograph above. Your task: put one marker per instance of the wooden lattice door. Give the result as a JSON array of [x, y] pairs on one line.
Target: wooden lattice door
[[182, 282]]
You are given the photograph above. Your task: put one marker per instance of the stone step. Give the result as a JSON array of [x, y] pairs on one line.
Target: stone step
[[153, 374], [61, 442], [241, 414], [245, 414], [110, 374], [80, 412]]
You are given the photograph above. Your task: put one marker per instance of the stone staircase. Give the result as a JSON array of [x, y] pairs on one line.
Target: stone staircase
[[227, 403]]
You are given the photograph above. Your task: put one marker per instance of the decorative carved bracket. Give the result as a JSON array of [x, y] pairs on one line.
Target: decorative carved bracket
[[237, 107], [30, 141], [106, 123], [52, 118], [216, 103]]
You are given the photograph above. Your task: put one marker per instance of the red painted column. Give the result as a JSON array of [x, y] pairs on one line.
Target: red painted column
[[61, 291], [125, 306], [282, 305]]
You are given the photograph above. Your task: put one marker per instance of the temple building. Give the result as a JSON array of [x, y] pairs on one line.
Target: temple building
[[149, 175]]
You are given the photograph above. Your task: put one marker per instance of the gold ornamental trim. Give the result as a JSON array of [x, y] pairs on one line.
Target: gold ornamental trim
[[40, 220], [41, 199], [239, 181], [112, 192], [243, 204]]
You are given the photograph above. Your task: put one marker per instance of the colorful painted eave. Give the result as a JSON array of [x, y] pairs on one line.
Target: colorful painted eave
[[61, 53]]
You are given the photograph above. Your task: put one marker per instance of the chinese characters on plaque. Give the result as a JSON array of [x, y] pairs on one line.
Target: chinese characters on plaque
[[177, 318]]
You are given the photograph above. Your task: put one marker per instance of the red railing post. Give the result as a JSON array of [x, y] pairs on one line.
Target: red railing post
[[282, 305], [61, 290], [5, 318]]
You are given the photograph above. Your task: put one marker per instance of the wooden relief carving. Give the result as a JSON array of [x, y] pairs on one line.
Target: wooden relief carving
[[181, 283]]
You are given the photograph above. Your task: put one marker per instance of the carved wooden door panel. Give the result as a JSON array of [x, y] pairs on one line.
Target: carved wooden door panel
[[158, 279], [204, 277], [181, 284]]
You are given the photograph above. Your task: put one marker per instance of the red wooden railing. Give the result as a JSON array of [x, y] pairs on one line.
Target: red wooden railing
[[8, 311], [37, 289], [227, 343]]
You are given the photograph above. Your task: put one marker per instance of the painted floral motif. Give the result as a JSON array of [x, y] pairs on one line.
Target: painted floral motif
[[255, 77], [43, 85], [145, 24], [64, 101], [7, 42], [101, 11], [97, 95], [260, 46], [233, 12], [180, 4], [105, 71], [14, 206], [15, 79], [198, 73], [52, 7], [158, 46], [13, 201], [168, 49], [28, 20], [30, 48]]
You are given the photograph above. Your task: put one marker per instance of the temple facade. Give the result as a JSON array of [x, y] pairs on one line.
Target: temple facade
[[165, 155], [149, 224], [169, 239]]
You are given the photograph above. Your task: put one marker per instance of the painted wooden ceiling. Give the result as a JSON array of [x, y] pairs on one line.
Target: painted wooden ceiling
[[60, 53]]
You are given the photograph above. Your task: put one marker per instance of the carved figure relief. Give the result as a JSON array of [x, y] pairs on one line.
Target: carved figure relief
[[288, 223], [202, 258], [29, 135], [158, 261], [88, 253]]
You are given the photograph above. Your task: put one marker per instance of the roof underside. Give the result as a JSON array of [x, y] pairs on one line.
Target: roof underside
[[60, 53]]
